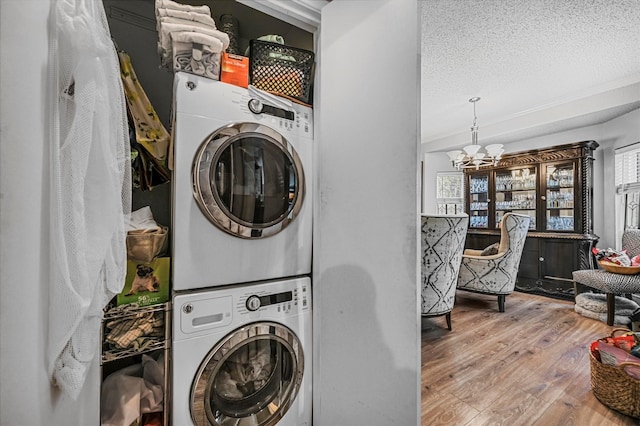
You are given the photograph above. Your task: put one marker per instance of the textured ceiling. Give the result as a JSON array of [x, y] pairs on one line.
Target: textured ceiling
[[533, 63]]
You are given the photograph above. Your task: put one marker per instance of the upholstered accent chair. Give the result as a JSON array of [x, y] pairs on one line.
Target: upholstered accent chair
[[610, 283], [496, 273], [442, 244]]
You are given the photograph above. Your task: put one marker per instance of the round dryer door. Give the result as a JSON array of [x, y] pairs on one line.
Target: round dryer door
[[251, 377], [248, 180]]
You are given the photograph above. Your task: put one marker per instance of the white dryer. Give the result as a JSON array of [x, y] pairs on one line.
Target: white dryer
[[242, 185], [242, 355]]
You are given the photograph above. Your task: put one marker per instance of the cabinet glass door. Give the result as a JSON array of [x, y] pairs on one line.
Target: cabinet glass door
[[559, 197], [516, 192], [479, 200]]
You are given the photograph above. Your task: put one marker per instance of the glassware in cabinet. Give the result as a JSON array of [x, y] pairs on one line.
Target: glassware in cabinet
[[561, 240], [479, 200], [515, 191], [559, 197]]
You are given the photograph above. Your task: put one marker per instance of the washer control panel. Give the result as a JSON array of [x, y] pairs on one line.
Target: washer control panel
[[290, 301]]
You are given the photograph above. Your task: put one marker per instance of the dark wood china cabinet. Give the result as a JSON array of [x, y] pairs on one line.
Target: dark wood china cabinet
[[555, 187]]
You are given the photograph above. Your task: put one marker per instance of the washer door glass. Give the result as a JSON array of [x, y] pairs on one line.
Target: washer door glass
[[248, 180], [251, 377]]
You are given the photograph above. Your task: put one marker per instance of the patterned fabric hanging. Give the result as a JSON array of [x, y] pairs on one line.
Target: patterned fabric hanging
[[148, 137], [150, 133]]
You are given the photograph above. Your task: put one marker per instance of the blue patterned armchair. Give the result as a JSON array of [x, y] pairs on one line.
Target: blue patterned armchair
[[496, 274], [442, 244]]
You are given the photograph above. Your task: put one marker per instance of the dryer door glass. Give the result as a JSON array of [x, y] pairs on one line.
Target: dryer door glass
[[248, 180], [255, 181], [251, 377]]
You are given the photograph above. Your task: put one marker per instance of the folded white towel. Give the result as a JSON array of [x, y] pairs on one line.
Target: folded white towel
[[167, 28], [187, 16], [142, 219], [175, 20], [169, 4], [196, 53], [198, 37]]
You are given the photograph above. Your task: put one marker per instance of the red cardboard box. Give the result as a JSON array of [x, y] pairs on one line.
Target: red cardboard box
[[234, 69]]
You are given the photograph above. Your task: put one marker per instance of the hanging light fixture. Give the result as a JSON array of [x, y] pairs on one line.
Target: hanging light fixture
[[472, 156]]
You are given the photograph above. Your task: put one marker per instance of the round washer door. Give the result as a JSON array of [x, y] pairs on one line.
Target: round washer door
[[248, 180], [250, 377]]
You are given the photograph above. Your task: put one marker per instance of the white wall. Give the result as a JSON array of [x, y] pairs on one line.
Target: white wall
[[365, 270], [616, 133], [613, 134], [26, 398]]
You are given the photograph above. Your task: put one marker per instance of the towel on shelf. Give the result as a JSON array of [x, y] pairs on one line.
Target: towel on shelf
[[165, 45], [123, 332], [142, 219], [186, 16], [188, 39], [196, 53], [194, 25], [169, 4]]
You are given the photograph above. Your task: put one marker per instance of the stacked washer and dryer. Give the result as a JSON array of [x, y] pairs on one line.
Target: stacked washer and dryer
[[241, 240]]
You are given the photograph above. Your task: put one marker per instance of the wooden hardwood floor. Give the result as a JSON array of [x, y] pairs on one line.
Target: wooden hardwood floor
[[526, 366]]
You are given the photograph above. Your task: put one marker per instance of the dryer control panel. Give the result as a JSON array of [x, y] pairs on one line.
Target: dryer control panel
[[256, 106], [200, 96], [281, 119]]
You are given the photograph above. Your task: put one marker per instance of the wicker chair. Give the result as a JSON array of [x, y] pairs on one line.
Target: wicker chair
[[442, 244], [610, 283], [496, 273]]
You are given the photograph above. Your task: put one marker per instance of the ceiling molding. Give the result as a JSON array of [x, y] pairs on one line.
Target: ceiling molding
[[304, 14], [582, 112]]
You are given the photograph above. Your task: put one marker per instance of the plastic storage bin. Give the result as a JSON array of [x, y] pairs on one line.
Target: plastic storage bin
[[281, 69]]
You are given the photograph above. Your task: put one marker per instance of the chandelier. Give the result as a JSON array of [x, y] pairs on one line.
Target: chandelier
[[472, 156]]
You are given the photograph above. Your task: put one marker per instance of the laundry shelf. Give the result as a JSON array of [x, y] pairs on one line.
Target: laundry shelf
[[129, 330], [116, 354]]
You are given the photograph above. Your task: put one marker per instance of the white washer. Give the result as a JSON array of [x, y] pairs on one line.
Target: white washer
[[242, 355], [242, 185]]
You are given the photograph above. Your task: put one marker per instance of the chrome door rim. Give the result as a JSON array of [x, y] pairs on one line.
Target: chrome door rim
[[208, 200], [215, 359]]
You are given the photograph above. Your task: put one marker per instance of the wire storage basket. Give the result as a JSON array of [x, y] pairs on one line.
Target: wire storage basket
[[612, 386], [280, 69]]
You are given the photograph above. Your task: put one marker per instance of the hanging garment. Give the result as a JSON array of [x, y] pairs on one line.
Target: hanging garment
[[146, 170], [90, 187], [150, 133]]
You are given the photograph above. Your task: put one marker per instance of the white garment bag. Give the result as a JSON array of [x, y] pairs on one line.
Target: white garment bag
[[90, 187]]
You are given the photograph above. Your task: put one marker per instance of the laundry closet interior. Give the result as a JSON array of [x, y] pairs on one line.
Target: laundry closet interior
[[270, 303]]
